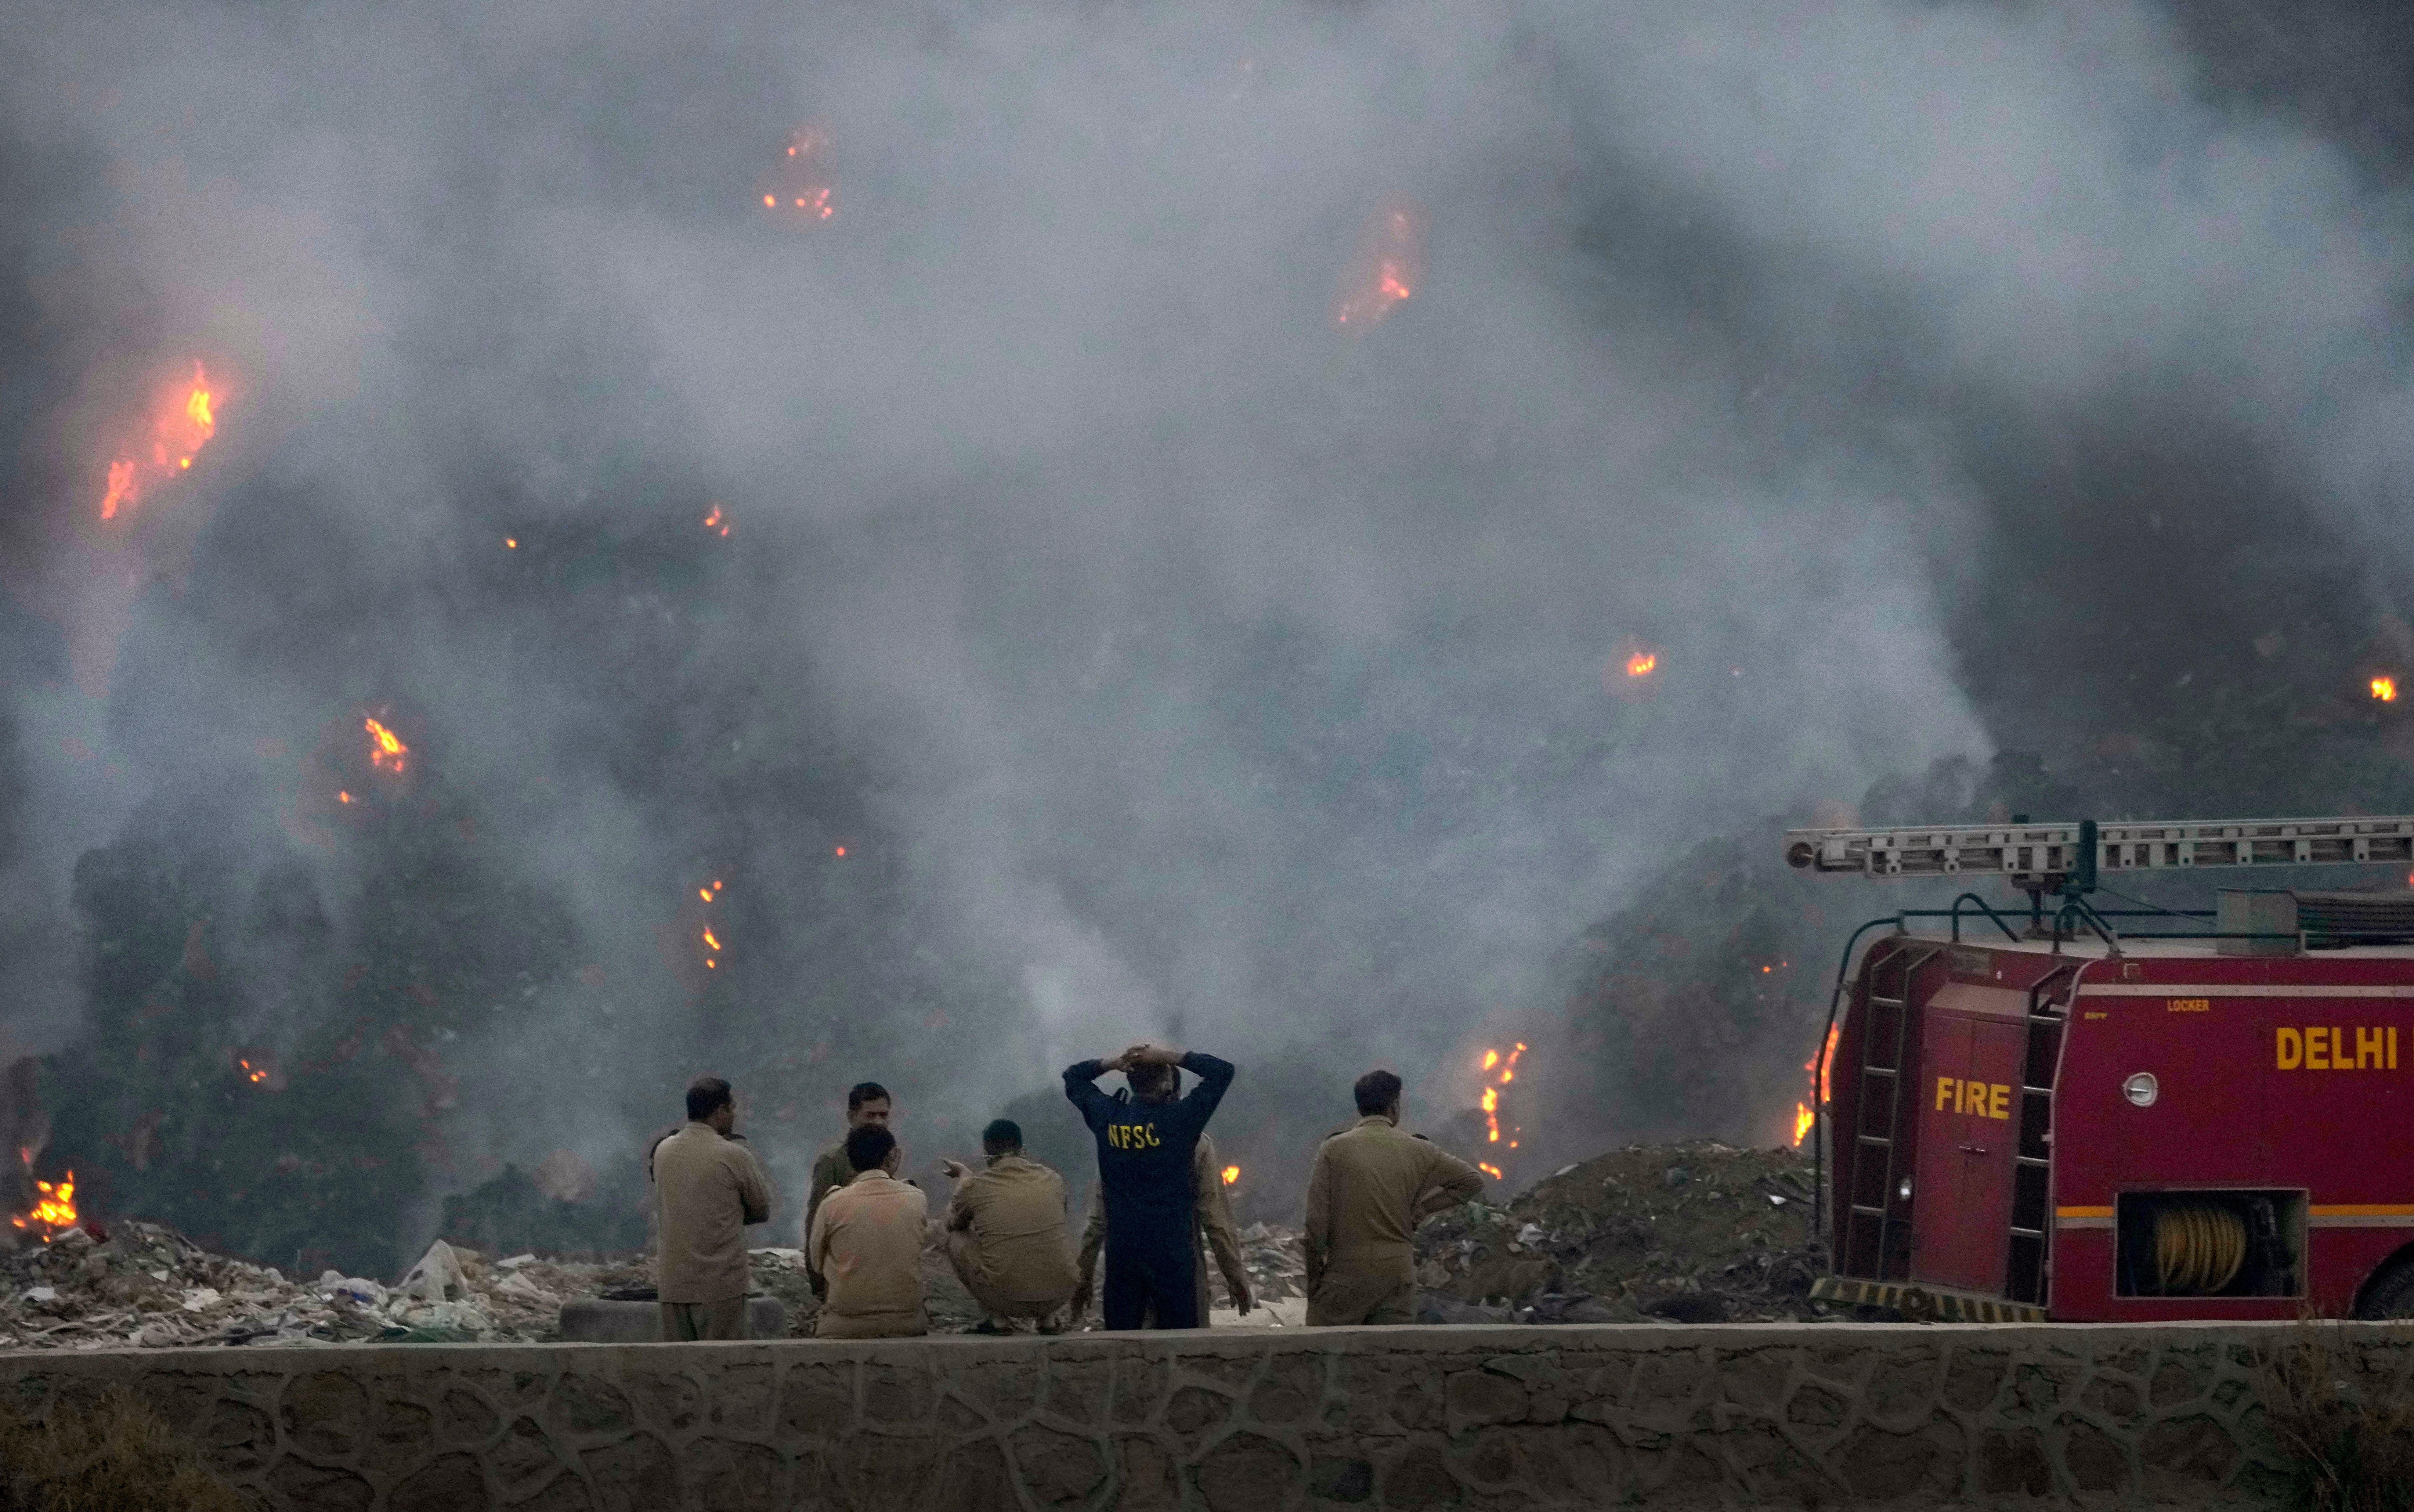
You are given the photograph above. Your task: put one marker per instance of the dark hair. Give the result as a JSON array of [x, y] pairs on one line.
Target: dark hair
[[1003, 1133], [1376, 1091], [707, 1096], [1152, 1075], [865, 1092], [868, 1147]]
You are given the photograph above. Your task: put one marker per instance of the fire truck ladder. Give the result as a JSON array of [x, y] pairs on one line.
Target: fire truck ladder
[[2026, 1266], [2054, 856], [1859, 1215]]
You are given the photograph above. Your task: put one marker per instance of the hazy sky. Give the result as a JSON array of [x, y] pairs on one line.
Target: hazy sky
[[1219, 670]]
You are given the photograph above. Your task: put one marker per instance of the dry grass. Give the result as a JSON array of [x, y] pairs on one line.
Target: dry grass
[[119, 1456], [2349, 1449]]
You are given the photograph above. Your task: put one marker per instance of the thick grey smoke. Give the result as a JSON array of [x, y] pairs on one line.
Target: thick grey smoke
[[1191, 666]]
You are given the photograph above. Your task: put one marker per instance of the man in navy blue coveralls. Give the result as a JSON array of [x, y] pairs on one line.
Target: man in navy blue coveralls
[[1144, 1148]]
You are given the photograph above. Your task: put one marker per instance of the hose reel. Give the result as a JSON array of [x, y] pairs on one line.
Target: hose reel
[[2198, 1248]]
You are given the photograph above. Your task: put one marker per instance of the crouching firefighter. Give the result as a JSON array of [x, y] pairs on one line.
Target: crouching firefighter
[[1145, 1145]]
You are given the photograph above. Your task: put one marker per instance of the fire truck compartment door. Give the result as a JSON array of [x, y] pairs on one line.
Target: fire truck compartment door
[[1969, 1107]]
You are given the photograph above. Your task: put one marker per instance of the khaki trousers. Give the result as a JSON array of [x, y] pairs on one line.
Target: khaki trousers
[[1350, 1294], [963, 1254], [829, 1325], [687, 1322]]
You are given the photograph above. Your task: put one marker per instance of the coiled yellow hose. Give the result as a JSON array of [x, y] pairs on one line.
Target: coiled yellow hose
[[2199, 1247]]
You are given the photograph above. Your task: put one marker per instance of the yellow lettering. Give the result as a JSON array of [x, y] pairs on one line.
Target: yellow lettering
[[2367, 1048], [2318, 1048], [1152, 1140], [1945, 1087], [1999, 1101], [2291, 1049], [2392, 1048], [2190, 1005]]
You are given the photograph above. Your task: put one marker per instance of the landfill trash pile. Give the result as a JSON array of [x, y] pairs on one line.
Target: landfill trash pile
[[1276, 1261], [144, 1284], [1700, 1231]]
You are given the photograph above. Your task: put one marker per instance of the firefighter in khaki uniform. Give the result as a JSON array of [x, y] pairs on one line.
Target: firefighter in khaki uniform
[[866, 1241], [867, 1106], [1370, 1187], [708, 1188], [1005, 1233]]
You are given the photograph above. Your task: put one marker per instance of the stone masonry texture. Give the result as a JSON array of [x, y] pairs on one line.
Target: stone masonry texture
[[1775, 1414]]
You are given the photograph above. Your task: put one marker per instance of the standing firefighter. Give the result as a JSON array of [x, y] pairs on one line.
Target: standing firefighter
[[710, 1189], [1145, 1148], [867, 1106], [1370, 1187], [1212, 1228]]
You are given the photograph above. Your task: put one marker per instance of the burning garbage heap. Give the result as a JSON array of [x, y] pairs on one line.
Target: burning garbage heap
[[1701, 1232]]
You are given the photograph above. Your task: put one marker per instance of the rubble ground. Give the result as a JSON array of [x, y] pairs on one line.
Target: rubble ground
[[1696, 1232], [1691, 1233]]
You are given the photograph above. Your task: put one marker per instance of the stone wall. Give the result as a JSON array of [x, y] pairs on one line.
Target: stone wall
[[1241, 1421]]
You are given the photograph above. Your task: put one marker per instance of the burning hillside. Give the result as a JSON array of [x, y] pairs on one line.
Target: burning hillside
[[181, 423]]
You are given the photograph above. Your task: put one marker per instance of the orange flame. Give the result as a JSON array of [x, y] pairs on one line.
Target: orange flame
[[1490, 1101], [2385, 689], [1492, 1171], [1231, 1174], [1389, 266], [1642, 663], [182, 425], [386, 751], [55, 1211], [717, 520], [251, 1073], [1820, 1066]]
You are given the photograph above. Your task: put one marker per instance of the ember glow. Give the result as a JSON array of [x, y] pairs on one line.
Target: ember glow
[[1387, 269], [1642, 663], [713, 949], [717, 520], [386, 749], [54, 1210], [182, 424], [255, 1075], [1488, 1169], [1231, 1174], [797, 190], [2385, 689]]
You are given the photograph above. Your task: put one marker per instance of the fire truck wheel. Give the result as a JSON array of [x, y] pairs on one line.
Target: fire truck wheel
[[2390, 1294]]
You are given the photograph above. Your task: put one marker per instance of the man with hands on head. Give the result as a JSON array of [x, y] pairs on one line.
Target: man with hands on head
[[1212, 1229], [1146, 1146]]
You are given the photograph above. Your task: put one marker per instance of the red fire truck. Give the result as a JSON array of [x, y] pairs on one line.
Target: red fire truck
[[2073, 1112]]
